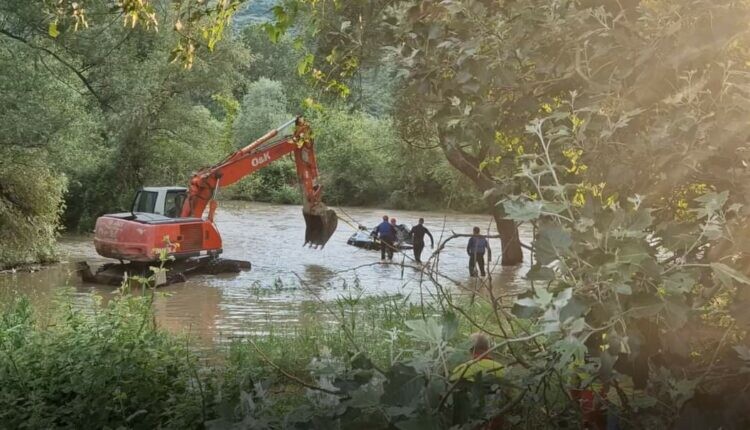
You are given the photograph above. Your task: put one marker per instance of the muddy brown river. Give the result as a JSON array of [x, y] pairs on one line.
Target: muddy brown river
[[285, 276]]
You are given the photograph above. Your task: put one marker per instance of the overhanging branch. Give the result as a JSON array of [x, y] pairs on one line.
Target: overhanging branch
[[61, 60]]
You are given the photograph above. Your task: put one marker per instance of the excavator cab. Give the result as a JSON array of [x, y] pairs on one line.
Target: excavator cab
[[165, 201]]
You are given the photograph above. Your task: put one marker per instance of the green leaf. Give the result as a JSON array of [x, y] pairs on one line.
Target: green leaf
[[367, 395], [631, 224], [52, 30], [305, 65], [679, 283], [428, 331], [712, 203], [743, 352], [644, 306], [573, 309], [632, 252], [569, 349], [527, 302], [449, 326], [722, 270], [403, 386], [642, 401], [576, 325], [552, 243], [676, 313], [623, 289], [399, 411], [523, 211]]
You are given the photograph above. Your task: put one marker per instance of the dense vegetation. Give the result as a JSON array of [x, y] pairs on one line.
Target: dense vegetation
[[68, 368], [616, 129]]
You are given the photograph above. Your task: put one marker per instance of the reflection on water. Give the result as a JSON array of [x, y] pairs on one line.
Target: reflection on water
[[285, 275]]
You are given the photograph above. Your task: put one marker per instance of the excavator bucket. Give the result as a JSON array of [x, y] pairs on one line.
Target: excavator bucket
[[319, 228]]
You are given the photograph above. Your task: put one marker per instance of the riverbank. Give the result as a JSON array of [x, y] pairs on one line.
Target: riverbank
[[115, 368]]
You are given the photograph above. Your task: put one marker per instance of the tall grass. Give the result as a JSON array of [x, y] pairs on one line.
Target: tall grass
[[110, 366], [107, 368]]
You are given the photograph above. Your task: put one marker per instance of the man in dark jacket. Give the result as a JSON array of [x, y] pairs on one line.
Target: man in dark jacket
[[387, 235], [417, 238], [476, 248]]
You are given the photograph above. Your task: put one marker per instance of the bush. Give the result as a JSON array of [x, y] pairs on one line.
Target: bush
[[109, 369], [30, 209]]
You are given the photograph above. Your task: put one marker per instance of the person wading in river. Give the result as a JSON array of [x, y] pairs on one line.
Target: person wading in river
[[417, 237], [476, 247], [386, 233]]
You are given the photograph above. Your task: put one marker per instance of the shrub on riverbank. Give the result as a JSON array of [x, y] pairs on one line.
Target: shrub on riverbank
[[30, 209], [105, 369], [110, 366]]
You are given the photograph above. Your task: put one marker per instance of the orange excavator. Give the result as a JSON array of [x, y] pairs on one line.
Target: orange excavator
[[168, 221]]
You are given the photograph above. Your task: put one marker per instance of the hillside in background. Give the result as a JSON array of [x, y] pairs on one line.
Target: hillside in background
[[253, 12]]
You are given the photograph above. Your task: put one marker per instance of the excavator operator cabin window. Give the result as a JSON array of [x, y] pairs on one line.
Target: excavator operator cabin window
[[173, 203], [145, 201]]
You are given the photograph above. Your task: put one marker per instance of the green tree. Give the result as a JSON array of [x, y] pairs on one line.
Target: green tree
[[353, 154], [102, 110], [263, 108]]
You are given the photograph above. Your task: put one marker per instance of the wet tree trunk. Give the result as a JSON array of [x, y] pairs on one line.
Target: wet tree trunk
[[512, 253]]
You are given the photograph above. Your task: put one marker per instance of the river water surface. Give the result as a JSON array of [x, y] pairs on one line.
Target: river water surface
[[285, 276]]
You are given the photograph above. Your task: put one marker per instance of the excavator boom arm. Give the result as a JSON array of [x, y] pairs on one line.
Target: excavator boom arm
[[204, 185]]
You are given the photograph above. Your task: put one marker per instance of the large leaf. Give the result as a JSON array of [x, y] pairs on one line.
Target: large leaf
[[570, 348], [403, 387], [711, 203], [723, 272], [644, 306], [679, 283], [631, 223], [523, 211], [428, 330], [552, 243]]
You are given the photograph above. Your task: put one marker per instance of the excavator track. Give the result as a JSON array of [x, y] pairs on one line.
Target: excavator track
[[177, 271]]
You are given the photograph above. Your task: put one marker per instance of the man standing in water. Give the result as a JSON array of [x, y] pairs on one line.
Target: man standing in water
[[417, 237], [387, 235], [476, 248]]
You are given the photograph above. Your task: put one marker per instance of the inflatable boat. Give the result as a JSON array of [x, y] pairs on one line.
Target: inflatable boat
[[363, 238]]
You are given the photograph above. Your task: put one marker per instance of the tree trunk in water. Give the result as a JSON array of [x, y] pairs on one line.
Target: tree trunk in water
[[469, 166], [512, 253]]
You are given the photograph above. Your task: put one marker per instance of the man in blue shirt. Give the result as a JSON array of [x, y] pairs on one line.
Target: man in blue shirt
[[387, 235], [476, 248]]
